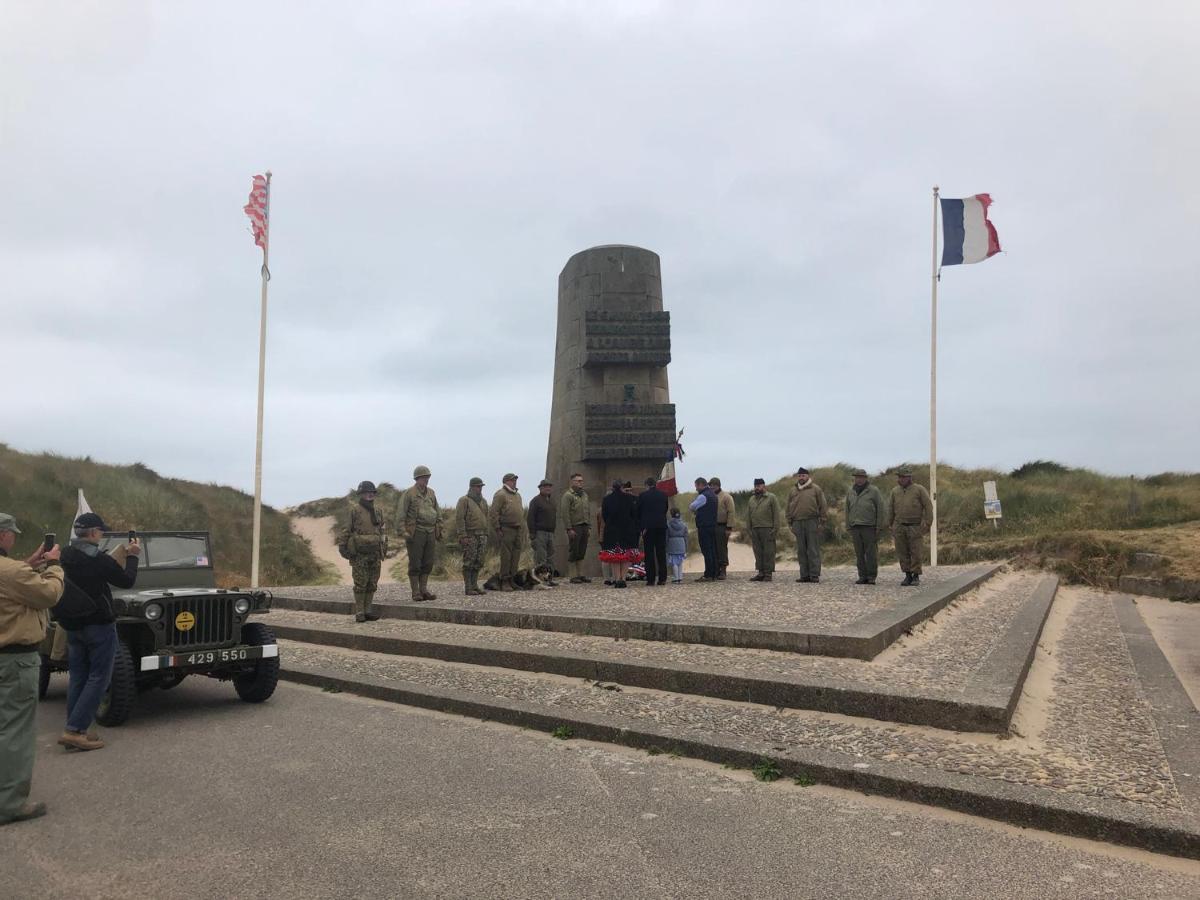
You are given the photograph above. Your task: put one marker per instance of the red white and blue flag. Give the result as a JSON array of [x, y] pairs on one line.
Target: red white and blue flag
[[666, 479], [258, 210], [967, 235]]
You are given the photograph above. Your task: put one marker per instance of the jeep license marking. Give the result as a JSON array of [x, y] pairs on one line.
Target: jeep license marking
[[210, 657], [185, 621]]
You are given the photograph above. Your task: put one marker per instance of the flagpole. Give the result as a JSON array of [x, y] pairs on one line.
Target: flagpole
[[933, 529], [262, 370]]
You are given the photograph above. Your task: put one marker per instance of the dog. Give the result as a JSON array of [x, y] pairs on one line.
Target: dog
[[541, 578]]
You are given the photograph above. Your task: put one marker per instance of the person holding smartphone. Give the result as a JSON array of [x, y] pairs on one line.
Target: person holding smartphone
[[92, 639]]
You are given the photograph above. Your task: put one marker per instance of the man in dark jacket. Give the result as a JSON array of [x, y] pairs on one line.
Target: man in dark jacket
[[92, 639], [652, 520], [705, 509], [542, 520]]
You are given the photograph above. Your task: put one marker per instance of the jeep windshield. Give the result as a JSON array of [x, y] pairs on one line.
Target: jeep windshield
[[166, 549]]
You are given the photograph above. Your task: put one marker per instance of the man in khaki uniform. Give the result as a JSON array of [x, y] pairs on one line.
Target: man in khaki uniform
[[471, 526], [508, 522], [419, 517], [575, 511], [27, 590], [910, 515], [364, 542], [725, 523], [806, 513], [762, 518], [865, 516]]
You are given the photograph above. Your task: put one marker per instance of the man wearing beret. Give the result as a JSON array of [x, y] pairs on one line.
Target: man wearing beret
[[865, 517], [909, 517], [27, 590], [762, 518], [806, 512]]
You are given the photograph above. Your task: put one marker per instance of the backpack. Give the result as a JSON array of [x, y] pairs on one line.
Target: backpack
[[75, 603]]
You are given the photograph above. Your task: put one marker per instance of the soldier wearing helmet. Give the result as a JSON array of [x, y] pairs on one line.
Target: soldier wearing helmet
[[364, 543], [419, 517]]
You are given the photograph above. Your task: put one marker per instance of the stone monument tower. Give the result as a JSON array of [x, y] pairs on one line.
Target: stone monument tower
[[611, 416]]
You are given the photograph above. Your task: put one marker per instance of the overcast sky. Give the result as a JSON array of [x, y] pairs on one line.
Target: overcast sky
[[435, 165]]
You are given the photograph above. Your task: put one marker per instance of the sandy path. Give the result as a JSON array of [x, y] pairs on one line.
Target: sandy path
[[741, 559], [319, 534]]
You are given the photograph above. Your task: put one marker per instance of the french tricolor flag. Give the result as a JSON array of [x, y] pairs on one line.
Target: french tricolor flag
[[967, 235]]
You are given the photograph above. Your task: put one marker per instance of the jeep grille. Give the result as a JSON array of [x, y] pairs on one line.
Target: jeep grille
[[213, 617]]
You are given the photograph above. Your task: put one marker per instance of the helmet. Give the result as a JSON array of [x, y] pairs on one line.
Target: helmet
[[421, 471], [367, 487]]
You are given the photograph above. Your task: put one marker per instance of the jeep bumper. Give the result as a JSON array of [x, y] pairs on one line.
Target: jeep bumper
[[230, 655]]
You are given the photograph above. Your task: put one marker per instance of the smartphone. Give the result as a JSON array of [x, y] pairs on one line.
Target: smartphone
[[48, 542], [132, 536]]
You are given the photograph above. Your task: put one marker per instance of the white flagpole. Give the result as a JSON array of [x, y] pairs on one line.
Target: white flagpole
[[262, 370], [933, 530]]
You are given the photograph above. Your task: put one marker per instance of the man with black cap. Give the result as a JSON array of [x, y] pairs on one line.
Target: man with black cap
[[364, 542], [762, 518], [806, 512], [28, 589], [471, 526], [541, 521], [92, 639], [910, 515], [652, 520], [508, 521], [865, 517]]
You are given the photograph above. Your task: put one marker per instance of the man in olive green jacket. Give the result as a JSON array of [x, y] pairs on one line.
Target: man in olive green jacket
[[865, 517], [364, 542], [806, 513], [507, 519], [575, 512], [726, 519], [421, 521], [910, 516], [471, 527], [762, 518]]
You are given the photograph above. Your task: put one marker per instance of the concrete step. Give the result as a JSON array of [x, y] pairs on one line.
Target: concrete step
[[965, 674], [973, 774]]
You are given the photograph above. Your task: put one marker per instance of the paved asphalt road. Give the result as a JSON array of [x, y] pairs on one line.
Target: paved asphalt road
[[328, 795]]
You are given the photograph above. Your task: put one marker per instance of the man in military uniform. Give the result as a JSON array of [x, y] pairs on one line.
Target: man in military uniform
[[910, 515], [762, 518], [471, 526], [575, 510], [508, 522], [725, 523], [364, 543], [419, 517], [541, 522], [865, 515], [806, 512]]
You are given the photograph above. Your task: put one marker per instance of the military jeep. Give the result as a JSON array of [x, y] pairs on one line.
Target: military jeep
[[176, 622]]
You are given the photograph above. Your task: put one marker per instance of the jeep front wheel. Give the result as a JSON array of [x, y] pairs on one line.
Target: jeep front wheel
[[117, 702], [257, 684]]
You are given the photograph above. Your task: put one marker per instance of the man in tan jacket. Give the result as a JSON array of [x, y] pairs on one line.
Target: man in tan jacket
[[910, 515], [507, 517], [27, 590], [420, 518], [725, 522], [806, 513]]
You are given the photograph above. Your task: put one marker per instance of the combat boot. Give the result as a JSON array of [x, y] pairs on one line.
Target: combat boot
[[426, 594], [414, 584], [506, 585], [467, 582], [768, 577], [916, 579], [758, 577], [360, 611], [476, 590], [369, 606], [907, 579]]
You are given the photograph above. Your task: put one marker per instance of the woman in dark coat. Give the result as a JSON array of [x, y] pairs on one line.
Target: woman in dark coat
[[618, 529]]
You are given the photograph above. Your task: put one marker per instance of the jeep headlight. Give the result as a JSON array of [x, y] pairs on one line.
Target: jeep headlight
[[241, 606], [153, 611]]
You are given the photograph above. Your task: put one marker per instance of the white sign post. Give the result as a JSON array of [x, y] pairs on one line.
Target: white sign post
[[991, 504]]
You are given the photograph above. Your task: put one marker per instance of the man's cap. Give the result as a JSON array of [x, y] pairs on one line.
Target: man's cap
[[650, 482], [367, 487], [904, 473], [421, 471], [476, 481], [544, 483], [715, 480], [90, 520], [700, 481], [509, 476], [8, 523], [802, 471], [860, 473], [758, 481]]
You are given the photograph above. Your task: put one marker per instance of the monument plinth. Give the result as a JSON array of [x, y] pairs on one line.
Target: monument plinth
[[611, 416]]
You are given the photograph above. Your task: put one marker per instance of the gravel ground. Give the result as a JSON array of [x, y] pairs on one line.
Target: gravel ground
[[1086, 748], [937, 660], [833, 603]]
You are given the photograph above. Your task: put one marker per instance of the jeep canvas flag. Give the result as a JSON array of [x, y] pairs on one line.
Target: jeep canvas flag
[[257, 210], [967, 235]]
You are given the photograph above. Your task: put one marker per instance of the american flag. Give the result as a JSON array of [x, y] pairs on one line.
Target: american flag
[[256, 209]]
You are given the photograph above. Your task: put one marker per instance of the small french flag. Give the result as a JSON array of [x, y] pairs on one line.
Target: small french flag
[[967, 235]]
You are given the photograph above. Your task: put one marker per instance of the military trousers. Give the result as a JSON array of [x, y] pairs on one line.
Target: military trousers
[[543, 548], [866, 550], [18, 705], [510, 550], [577, 546], [722, 536], [473, 550], [421, 550], [365, 569], [910, 547], [808, 546], [762, 540]]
